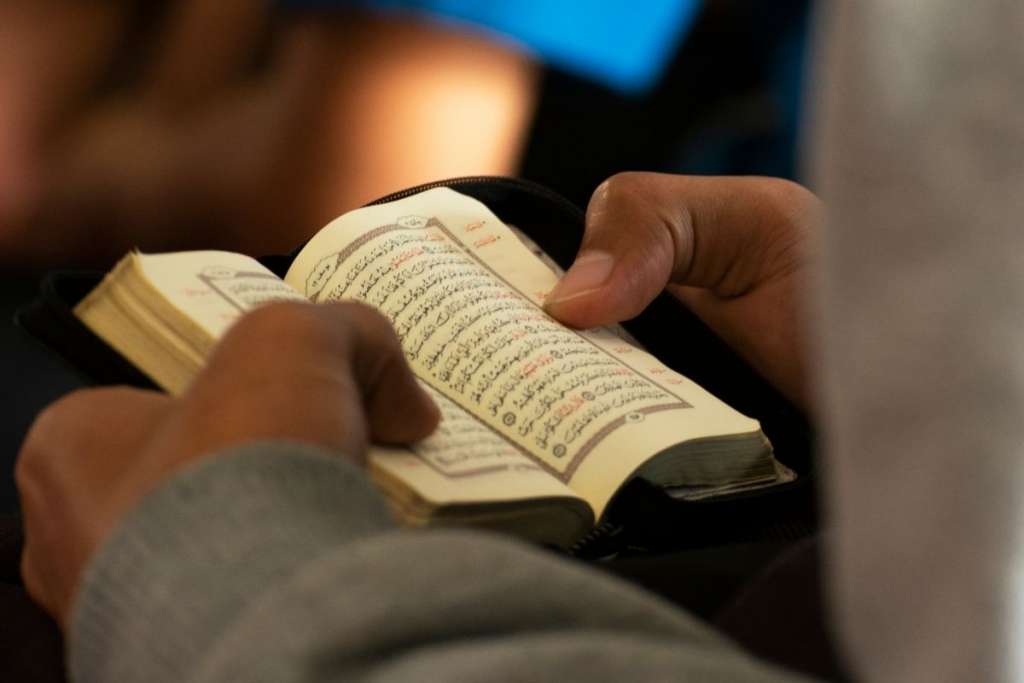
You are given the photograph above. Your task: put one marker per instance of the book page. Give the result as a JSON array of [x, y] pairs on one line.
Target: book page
[[465, 298], [211, 289], [164, 312], [464, 462]]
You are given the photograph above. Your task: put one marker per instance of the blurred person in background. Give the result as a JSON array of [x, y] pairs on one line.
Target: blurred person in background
[[246, 125], [218, 131]]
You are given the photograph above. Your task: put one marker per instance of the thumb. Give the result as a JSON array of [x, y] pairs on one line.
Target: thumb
[[624, 261], [647, 230]]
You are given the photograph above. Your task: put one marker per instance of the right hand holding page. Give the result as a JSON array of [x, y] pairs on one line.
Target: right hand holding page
[[732, 249]]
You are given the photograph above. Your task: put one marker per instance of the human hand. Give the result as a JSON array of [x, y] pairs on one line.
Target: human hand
[[331, 375], [733, 249]]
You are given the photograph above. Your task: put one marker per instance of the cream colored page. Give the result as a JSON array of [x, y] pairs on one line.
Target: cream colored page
[[213, 288], [465, 462], [464, 295], [462, 462]]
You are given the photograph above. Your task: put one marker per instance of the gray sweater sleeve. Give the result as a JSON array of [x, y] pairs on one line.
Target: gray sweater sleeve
[[921, 163], [278, 562]]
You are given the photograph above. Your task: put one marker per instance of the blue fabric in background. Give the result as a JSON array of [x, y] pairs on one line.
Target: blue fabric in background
[[623, 44]]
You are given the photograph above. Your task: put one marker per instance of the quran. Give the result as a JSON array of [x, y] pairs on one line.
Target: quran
[[541, 424]]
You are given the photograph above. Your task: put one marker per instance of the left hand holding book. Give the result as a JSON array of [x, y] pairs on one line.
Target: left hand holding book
[[286, 371]]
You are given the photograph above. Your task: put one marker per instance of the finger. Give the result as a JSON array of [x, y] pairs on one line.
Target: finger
[[646, 230], [206, 45], [398, 408], [330, 374]]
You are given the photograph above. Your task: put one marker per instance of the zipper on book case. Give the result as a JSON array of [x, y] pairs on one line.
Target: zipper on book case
[[503, 182], [604, 542], [514, 185]]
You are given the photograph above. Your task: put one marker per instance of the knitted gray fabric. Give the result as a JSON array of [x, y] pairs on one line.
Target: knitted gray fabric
[[277, 562], [921, 163]]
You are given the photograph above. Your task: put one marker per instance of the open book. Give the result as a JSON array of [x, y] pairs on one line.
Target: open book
[[541, 424]]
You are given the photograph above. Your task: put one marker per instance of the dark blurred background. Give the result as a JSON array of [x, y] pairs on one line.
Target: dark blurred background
[[727, 103]]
